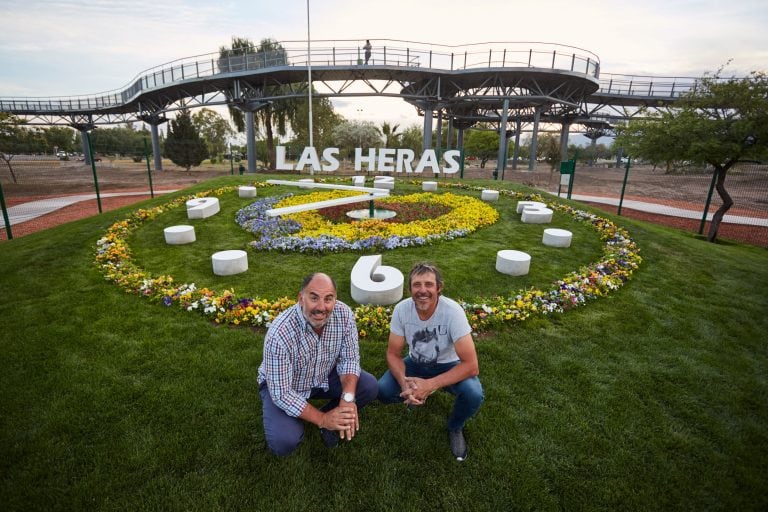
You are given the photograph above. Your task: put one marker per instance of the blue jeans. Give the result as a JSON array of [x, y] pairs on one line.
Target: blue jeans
[[468, 392], [284, 433]]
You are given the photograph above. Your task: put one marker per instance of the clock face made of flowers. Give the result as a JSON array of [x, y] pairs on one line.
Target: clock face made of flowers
[[303, 229], [619, 260]]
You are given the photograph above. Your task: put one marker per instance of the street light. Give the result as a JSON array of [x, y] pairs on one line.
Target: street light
[[309, 88]]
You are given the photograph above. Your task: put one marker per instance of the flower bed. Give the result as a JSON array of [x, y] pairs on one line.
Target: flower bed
[[619, 260], [311, 232], [405, 211]]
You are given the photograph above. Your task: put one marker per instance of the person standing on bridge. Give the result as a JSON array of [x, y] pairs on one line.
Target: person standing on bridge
[[367, 49]]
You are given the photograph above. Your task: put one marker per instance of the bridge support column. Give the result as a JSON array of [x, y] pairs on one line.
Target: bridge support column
[[154, 120], [516, 150], [564, 130], [250, 131], [439, 130], [249, 108], [449, 142], [84, 146], [84, 125], [534, 139], [156, 153], [501, 160], [427, 128]]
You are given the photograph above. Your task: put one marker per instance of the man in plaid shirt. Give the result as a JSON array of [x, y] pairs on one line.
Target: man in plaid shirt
[[311, 351]]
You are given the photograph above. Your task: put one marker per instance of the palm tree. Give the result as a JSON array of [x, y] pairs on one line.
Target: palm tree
[[240, 46], [275, 116], [390, 136]]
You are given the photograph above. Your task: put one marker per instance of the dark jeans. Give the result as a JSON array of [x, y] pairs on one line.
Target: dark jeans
[[284, 433], [468, 392]]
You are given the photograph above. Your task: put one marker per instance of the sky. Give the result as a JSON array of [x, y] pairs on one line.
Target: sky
[[72, 47]]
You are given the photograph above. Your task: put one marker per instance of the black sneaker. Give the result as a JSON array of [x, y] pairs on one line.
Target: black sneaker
[[458, 444], [330, 438]]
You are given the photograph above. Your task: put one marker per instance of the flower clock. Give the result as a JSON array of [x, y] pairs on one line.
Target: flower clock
[[421, 219], [316, 231]]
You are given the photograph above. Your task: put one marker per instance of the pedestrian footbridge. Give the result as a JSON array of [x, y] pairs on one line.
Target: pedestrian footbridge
[[513, 85]]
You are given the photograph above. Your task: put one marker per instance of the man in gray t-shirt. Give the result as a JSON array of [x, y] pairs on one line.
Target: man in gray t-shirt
[[431, 341], [441, 353]]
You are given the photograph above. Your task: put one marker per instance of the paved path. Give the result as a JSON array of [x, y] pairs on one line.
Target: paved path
[[662, 209], [26, 211]]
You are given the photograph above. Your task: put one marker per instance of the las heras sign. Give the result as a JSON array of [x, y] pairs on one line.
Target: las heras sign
[[380, 160]]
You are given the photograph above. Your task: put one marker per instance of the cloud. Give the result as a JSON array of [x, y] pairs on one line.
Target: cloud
[[60, 47]]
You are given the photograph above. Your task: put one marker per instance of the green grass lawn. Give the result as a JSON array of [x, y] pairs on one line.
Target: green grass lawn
[[652, 398]]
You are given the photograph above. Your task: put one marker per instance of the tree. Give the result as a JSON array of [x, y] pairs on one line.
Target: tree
[[356, 134], [240, 46], [262, 155], [482, 144], [411, 138], [61, 137], [10, 143], [548, 149], [275, 116], [324, 120], [390, 134], [591, 153], [16, 139], [184, 146], [719, 122], [214, 129], [122, 140]]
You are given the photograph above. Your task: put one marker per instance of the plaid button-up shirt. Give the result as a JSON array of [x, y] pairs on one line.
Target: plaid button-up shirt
[[296, 359]]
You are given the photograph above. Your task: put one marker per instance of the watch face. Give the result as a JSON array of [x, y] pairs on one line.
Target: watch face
[[348, 397]]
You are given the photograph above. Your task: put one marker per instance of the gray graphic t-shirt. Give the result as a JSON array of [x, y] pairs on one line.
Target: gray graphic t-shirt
[[431, 341]]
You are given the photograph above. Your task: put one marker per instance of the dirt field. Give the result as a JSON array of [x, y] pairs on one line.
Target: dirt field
[[748, 187]]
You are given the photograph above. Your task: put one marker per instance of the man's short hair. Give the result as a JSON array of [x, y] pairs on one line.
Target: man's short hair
[[308, 279], [422, 268]]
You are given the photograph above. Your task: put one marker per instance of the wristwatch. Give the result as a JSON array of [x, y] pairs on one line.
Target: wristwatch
[[348, 397]]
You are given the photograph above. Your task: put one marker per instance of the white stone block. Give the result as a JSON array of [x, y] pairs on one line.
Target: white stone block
[[489, 195], [514, 263], [358, 181], [384, 182], [537, 216], [429, 186], [375, 284], [246, 191], [554, 237], [178, 235], [202, 207], [521, 205], [227, 263]]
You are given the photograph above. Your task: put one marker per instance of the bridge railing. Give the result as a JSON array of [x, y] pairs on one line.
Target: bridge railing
[[643, 85], [460, 57], [323, 53]]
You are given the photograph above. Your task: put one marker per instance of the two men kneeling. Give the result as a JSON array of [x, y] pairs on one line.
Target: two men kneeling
[[311, 352]]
